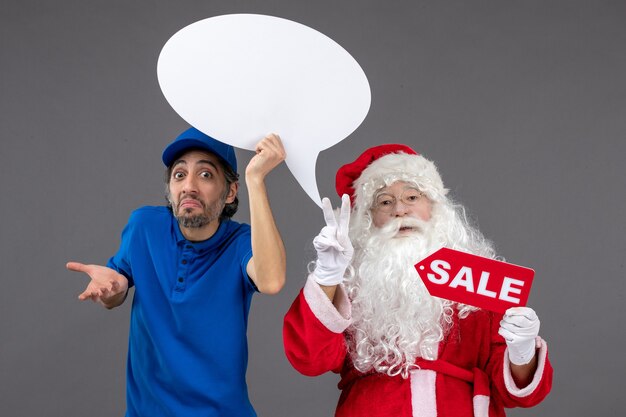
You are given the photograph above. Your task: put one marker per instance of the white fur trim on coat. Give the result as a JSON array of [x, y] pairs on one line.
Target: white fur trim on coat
[[335, 317], [508, 378], [423, 393], [481, 406]]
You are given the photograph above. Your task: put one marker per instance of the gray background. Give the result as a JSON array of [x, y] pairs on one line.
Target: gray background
[[522, 104]]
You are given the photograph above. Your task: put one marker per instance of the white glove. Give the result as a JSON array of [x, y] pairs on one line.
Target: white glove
[[520, 327], [334, 249]]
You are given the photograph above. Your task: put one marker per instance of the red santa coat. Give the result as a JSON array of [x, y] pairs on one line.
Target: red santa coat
[[470, 378]]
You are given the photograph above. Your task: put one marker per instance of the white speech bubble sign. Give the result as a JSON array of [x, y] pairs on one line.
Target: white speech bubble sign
[[238, 77]]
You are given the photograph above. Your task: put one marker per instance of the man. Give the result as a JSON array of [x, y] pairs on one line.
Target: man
[[194, 271], [365, 313]]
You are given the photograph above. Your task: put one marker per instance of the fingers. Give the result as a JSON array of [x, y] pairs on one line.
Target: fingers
[[519, 323], [271, 143], [526, 312], [77, 267], [273, 139], [507, 335], [335, 234], [96, 293], [91, 294], [519, 331], [269, 154], [329, 215], [326, 240], [344, 215], [344, 226], [84, 295]]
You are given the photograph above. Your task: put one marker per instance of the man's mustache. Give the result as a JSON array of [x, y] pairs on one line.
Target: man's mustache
[[190, 197]]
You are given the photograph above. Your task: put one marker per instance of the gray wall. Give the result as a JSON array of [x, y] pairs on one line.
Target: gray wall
[[522, 104]]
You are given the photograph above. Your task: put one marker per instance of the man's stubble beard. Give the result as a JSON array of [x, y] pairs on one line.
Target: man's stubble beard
[[195, 221]]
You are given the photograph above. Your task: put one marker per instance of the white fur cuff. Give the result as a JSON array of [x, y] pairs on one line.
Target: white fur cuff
[[508, 378], [335, 317]]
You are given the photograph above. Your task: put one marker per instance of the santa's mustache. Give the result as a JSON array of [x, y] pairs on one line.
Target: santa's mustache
[[394, 226]]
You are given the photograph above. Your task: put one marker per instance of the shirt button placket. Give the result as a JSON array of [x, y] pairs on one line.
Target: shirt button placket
[[183, 269]]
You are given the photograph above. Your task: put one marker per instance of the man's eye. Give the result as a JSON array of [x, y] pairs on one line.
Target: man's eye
[[178, 175], [206, 174]]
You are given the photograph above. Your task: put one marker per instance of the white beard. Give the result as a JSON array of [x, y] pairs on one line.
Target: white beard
[[395, 319]]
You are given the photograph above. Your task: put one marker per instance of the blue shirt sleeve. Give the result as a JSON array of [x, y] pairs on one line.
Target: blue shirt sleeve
[[244, 264], [120, 262], [244, 243]]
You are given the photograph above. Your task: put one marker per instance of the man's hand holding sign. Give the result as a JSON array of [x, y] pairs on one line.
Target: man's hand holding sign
[[491, 285]]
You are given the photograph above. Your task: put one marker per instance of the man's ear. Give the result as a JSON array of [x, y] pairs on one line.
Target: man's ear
[[232, 192]]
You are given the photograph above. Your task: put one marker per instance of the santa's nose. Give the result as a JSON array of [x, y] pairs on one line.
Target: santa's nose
[[400, 209]]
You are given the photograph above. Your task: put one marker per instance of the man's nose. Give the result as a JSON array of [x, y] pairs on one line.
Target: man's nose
[[400, 209], [190, 185]]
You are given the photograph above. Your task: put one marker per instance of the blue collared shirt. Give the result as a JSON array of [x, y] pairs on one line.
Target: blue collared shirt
[[187, 353]]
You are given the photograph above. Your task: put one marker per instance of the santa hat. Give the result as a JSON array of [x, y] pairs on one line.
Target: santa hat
[[383, 165]]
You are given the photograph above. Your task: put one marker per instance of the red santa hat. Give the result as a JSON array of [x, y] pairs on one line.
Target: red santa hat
[[383, 165]]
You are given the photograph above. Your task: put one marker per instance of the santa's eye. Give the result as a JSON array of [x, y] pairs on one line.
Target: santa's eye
[[412, 197], [385, 201]]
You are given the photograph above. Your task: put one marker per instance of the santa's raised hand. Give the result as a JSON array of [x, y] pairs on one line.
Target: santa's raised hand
[[333, 246]]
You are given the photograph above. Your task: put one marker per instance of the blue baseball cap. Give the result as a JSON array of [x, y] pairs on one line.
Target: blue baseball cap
[[192, 138]]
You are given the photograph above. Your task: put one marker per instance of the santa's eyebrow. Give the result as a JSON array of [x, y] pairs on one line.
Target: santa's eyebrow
[[406, 187]]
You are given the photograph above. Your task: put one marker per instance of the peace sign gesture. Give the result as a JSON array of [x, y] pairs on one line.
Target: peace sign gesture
[[334, 249]]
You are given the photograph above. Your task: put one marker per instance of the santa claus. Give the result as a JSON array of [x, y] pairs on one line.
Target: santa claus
[[365, 313]]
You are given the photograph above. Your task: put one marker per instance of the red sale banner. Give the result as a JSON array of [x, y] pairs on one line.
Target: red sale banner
[[480, 282]]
